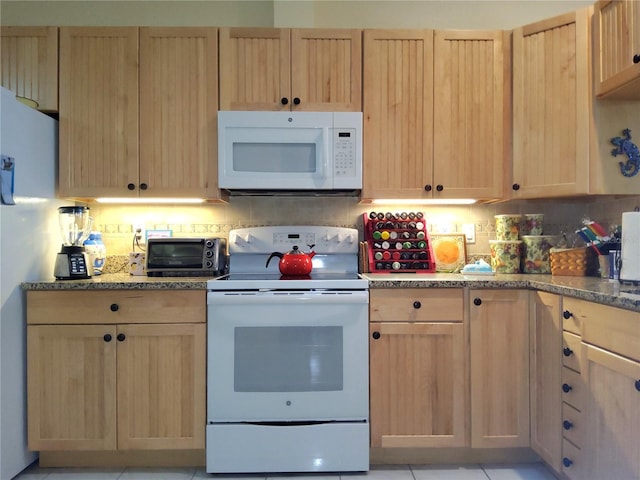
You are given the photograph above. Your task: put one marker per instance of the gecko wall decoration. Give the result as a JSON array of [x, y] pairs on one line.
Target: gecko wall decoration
[[624, 146]]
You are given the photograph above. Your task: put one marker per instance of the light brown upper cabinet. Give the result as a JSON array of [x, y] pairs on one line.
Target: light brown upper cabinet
[[398, 113], [435, 110], [290, 69], [472, 105], [551, 107], [616, 57], [561, 133], [138, 112], [30, 64], [179, 112]]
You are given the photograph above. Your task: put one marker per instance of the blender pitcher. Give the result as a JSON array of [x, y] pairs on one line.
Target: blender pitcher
[[73, 262]]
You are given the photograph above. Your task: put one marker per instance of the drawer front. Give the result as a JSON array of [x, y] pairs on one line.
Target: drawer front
[[116, 306], [572, 309], [416, 305], [572, 389], [613, 329], [571, 351], [573, 428], [573, 465]]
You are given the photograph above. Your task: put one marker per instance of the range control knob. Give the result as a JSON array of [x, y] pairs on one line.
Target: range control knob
[[242, 239]]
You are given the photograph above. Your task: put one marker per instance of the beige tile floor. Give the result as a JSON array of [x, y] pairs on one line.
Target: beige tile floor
[[532, 471]]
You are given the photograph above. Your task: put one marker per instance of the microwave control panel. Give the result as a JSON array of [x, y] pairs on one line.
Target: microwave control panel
[[344, 152]]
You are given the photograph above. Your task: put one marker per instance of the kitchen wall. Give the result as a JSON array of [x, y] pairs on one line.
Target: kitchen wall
[[216, 220], [469, 14]]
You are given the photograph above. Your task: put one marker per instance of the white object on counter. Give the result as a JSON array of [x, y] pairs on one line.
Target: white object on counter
[[137, 263], [630, 267], [479, 267]]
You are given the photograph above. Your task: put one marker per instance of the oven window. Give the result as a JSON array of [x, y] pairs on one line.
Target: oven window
[[288, 359]]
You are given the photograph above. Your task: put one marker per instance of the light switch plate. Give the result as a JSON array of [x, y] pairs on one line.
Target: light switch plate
[[469, 230]]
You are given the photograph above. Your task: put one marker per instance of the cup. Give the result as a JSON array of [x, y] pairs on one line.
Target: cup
[[614, 264], [507, 227], [603, 262], [137, 263], [533, 223], [505, 256]]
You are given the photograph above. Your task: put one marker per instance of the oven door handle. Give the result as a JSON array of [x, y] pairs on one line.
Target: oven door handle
[[273, 298]]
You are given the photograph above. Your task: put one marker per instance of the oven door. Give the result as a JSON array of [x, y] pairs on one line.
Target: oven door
[[287, 356]]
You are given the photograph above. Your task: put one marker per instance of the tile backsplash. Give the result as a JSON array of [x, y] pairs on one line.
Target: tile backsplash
[[561, 216]]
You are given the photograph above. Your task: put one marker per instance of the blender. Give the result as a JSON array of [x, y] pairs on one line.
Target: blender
[[73, 262]]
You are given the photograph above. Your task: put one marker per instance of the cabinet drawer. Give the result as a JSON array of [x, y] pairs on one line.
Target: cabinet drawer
[[571, 311], [116, 306], [613, 329], [572, 389], [573, 425], [571, 351], [573, 465], [416, 305]]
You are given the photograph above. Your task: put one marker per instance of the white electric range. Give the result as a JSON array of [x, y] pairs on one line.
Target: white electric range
[[288, 358]]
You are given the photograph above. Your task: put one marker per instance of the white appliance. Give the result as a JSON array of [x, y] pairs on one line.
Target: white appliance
[[298, 151], [288, 357], [28, 245], [630, 254]]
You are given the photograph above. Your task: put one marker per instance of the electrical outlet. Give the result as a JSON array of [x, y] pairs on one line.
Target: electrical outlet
[[139, 232], [469, 230]]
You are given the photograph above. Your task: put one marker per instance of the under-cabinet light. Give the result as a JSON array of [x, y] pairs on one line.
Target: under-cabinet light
[[148, 200], [421, 201]]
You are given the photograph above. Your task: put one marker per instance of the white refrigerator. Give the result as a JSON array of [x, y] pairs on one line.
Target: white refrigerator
[[29, 241]]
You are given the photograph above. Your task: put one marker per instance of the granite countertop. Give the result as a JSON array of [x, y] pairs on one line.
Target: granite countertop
[[593, 289], [120, 281]]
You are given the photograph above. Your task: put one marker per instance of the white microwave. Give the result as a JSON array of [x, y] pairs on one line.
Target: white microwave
[[293, 151]]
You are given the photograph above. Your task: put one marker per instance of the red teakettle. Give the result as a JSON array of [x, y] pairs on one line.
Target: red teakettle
[[294, 262]]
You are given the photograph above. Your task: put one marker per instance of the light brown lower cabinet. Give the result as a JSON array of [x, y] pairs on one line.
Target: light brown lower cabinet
[[499, 346], [613, 415], [601, 392], [418, 374], [545, 347], [417, 385], [116, 385]]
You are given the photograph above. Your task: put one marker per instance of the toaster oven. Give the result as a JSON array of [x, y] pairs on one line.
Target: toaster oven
[[186, 257]]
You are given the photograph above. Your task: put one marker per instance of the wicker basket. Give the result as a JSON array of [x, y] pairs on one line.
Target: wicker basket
[[578, 262]]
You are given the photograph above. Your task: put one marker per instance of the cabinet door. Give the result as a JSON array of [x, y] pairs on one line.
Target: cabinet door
[[418, 385], [551, 100], [398, 113], [499, 368], [71, 372], [30, 64], [471, 119], [178, 112], [255, 69], [161, 386], [326, 69], [545, 332], [613, 415], [617, 49], [98, 112]]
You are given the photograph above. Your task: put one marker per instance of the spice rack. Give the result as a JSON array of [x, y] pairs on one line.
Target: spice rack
[[398, 243]]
